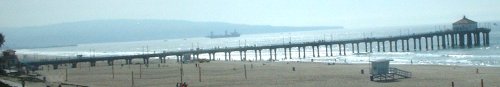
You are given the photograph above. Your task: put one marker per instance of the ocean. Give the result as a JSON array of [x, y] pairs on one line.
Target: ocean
[[478, 56]]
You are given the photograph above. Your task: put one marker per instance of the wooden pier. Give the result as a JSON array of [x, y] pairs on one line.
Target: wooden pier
[[465, 34], [448, 39]]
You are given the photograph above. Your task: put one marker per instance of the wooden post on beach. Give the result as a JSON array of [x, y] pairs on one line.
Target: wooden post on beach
[[182, 71], [140, 70], [66, 78], [199, 73], [477, 71], [113, 71], [245, 68], [132, 78], [452, 84], [482, 84]]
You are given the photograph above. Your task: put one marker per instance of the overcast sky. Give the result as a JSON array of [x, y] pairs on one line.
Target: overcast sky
[[348, 13]]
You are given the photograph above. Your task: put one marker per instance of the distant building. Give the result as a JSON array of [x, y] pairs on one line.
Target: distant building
[[464, 24], [9, 59]]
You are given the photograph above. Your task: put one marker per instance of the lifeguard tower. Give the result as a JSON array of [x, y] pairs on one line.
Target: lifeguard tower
[[380, 71]]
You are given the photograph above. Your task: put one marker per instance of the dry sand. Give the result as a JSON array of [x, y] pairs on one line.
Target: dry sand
[[272, 74]]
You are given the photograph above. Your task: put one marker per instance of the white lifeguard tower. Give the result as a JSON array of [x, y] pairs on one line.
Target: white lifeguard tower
[[380, 71]]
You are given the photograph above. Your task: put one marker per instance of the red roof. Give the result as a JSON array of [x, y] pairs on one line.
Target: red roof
[[465, 21]]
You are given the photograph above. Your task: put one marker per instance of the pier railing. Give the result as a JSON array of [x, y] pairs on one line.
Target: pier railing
[[450, 33]]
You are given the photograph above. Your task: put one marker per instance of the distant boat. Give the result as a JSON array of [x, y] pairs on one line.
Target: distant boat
[[233, 34]]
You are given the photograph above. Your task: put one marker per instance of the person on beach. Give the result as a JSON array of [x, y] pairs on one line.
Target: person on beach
[[184, 84]]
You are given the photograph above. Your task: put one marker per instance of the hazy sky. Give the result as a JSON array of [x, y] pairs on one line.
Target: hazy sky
[[348, 13]]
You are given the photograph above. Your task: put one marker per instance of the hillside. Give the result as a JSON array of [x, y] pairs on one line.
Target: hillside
[[101, 31]]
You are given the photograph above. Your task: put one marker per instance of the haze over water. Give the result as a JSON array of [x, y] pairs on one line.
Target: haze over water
[[483, 56], [361, 19]]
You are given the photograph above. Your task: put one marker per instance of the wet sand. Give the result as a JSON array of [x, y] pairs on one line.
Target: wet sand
[[266, 74]]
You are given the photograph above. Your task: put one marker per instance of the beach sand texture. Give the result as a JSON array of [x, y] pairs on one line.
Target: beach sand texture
[[267, 74]]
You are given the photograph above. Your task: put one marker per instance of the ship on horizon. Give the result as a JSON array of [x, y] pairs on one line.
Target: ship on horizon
[[226, 35]]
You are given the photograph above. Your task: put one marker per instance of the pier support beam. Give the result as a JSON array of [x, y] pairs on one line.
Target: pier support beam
[[420, 43], [255, 51], [414, 44], [448, 41], [209, 56], [371, 49], [213, 56], [487, 39], [314, 54], [383, 45], [396, 46], [110, 62], [92, 63], [128, 61], [340, 49], [229, 56], [432, 43], [284, 49], [366, 47], [74, 64], [469, 40], [352, 45], [275, 54], [402, 45], [443, 41], [317, 50], [331, 49], [461, 41], [225, 56], [145, 60], [163, 59], [357, 47], [326, 50], [390, 46], [55, 66], [378, 46], [476, 39], [270, 54], [438, 44], [426, 43], [260, 54], [408, 45], [290, 52], [304, 51], [298, 48], [244, 56], [344, 49], [452, 37], [484, 38], [241, 55]]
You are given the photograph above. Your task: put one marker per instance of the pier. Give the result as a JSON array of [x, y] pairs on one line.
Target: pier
[[460, 37], [448, 39]]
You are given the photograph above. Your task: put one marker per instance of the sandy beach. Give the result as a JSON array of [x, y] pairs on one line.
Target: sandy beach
[[264, 74]]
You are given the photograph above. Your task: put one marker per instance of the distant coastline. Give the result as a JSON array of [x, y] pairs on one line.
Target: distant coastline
[[104, 31]]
